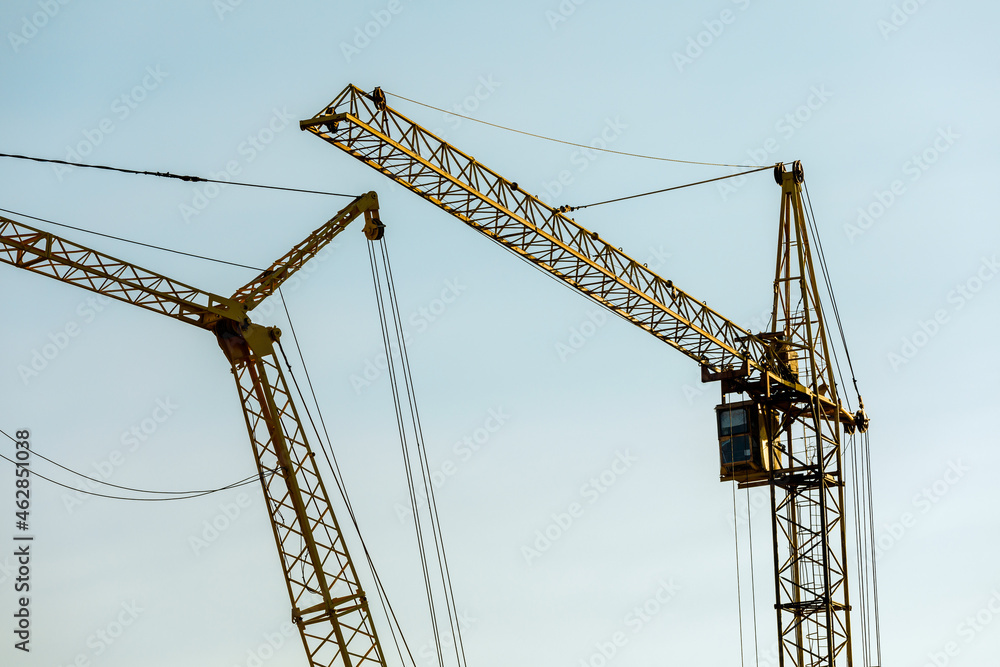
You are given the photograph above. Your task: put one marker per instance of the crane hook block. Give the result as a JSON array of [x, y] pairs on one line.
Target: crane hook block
[[861, 420], [374, 229]]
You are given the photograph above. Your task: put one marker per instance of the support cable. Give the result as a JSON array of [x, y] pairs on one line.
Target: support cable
[[739, 594], [564, 209], [124, 240], [411, 485], [874, 561], [443, 568], [829, 286], [753, 585], [860, 532], [35, 452], [569, 143], [250, 480], [164, 174]]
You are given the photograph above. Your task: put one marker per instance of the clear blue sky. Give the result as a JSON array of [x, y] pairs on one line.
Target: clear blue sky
[[890, 105]]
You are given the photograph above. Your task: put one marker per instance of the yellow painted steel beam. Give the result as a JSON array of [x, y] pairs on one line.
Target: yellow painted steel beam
[[47, 254], [283, 268]]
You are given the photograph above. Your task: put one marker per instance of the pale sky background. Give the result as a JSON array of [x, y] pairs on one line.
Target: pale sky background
[[184, 87]]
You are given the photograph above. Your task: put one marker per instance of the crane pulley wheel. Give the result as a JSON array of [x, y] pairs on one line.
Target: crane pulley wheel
[[797, 172]]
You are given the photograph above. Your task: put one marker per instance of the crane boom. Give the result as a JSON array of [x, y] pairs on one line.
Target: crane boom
[[43, 252], [283, 268], [425, 164], [329, 606], [362, 125]]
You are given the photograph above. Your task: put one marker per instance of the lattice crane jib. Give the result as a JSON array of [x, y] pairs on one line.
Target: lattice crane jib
[[328, 604], [786, 372]]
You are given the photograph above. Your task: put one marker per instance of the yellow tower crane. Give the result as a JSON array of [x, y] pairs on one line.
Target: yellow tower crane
[[786, 434], [329, 605]]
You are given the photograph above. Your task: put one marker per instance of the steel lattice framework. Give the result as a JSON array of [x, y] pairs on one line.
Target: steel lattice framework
[[328, 604], [786, 370], [807, 495]]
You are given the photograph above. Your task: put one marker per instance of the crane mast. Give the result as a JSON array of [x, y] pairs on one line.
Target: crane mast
[[787, 435], [328, 604]]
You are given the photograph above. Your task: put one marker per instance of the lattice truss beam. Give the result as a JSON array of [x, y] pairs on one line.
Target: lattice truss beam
[[328, 603], [265, 284], [42, 252], [389, 142]]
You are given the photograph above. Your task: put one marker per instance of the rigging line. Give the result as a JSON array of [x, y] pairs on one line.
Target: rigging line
[[833, 298], [390, 297], [825, 272], [163, 174], [753, 584], [866, 445], [406, 458], [123, 488], [331, 461], [125, 240], [868, 542], [739, 595], [148, 500], [443, 568], [563, 209], [570, 143], [862, 548]]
